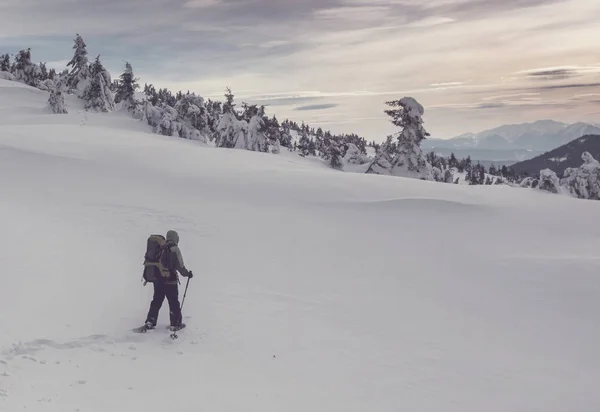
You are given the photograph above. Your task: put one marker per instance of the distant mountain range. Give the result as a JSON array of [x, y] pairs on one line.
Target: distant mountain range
[[557, 160], [512, 143]]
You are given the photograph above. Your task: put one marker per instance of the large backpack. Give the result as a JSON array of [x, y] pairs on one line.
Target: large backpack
[[157, 260]]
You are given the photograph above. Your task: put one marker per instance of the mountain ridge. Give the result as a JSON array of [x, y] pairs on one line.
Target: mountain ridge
[[539, 135], [561, 158]]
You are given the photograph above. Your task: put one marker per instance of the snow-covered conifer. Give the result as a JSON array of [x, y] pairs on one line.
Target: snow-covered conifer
[[448, 177], [56, 101], [549, 181], [80, 70], [98, 95], [354, 156], [4, 62], [24, 69], [382, 162], [126, 88], [231, 132], [304, 142], [257, 139], [191, 113], [409, 160], [333, 153], [583, 182]]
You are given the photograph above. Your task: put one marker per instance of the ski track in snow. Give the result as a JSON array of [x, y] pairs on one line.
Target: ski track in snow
[[314, 290]]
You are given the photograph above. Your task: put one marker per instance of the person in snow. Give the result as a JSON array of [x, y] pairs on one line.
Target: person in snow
[[169, 287]]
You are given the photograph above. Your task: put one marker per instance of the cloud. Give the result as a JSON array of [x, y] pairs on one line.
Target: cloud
[[453, 56], [317, 106], [556, 74], [571, 86]]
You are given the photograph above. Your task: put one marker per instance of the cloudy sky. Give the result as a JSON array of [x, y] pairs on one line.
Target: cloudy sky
[[473, 64]]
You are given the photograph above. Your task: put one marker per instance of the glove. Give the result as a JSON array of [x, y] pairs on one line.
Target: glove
[[190, 274]]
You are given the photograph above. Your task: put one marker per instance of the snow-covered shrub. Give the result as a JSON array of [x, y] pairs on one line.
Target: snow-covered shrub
[[46, 85], [528, 182], [549, 181], [7, 76], [583, 182], [353, 155], [257, 140], [56, 101], [275, 146], [382, 162]]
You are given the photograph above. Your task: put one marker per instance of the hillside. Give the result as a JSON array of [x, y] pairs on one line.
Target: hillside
[[516, 142], [314, 290], [561, 158]]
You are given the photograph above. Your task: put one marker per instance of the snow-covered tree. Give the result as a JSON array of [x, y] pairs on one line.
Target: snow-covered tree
[[80, 70], [583, 182], [354, 156], [304, 143], [191, 113], [410, 160], [382, 162], [98, 95], [24, 69], [274, 146], [56, 101], [549, 181], [448, 177], [256, 139], [407, 159], [126, 88], [168, 125], [4, 62], [273, 134], [333, 154], [231, 132]]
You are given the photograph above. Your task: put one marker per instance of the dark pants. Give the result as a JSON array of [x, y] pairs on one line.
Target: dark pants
[[171, 292]]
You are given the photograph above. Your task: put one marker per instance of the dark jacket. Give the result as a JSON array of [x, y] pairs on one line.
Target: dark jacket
[[176, 258]]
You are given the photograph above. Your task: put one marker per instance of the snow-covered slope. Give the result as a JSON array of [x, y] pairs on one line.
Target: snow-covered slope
[[315, 290]]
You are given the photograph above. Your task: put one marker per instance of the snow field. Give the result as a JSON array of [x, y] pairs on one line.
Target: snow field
[[314, 290]]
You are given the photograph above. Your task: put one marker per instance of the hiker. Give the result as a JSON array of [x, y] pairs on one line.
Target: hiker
[[168, 287]]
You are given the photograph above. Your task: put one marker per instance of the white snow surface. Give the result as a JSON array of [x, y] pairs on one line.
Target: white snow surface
[[314, 290]]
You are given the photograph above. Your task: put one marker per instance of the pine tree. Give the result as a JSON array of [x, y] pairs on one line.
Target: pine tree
[[24, 69], [5, 63], [409, 160], [334, 154], [79, 66], [257, 139], [304, 142], [126, 88], [231, 131], [98, 95], [382, 162], [452, 162], [56, 101]]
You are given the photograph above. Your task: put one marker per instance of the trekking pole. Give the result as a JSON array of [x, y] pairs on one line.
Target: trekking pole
[[185, 293], [174, 334]]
